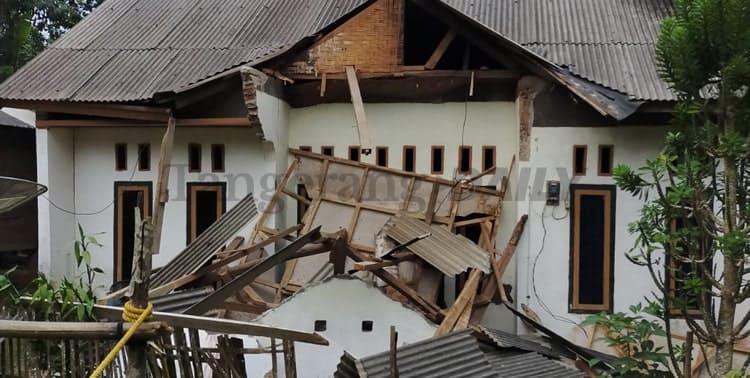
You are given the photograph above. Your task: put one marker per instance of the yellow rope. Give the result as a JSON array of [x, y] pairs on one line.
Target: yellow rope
[[131, 314]]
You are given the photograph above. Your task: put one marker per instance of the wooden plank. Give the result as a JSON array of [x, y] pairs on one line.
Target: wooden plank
[[162, 184], [219, 296], [440, 50], [415, 73], [430, 213], [290, 360], [233, 255], [222, 326], [468, 293], [366, 266], [365, 141], [393, 350], [143, 113], [182, 351], [75, 330], [109, 123]]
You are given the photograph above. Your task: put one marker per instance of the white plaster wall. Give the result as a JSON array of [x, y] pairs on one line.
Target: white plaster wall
[[27, 116], [274, 117], [551, 159], [55, 169], [248, 168], [344, 303], [423, 125]]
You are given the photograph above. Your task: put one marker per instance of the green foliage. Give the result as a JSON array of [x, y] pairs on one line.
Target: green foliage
[[633, 335], [28, 26], [697, 191], [71, 299]]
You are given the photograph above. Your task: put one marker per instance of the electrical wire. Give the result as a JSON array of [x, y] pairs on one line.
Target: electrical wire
[[463, 135], [539, 299], [105, 208]]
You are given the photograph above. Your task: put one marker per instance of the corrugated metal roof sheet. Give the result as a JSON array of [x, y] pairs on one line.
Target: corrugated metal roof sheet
[[203, 248], [179, 301], [450, 253], [129, 50], [507, 340], [8, 120], [458, 355], [610, 42], [528, 365]]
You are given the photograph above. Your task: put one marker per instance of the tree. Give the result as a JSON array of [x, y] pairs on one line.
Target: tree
[[692, 234], [28, 26]]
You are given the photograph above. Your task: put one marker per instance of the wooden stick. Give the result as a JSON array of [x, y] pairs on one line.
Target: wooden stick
[[73, 330], [365, 141], [393, 350], [162, 184], [290, 360]]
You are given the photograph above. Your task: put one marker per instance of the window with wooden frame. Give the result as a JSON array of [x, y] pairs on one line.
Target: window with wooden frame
[[194, 157], [306, 148], [354, 153], [121, 157], [206, 202], [381, 156], [683, 302], [579, 160], [489, 157], [144, 157], [128, 197], [606, 159], [218, 158], [464, 160], [326, 150], [410, 158], [437, 160], [591, 248]]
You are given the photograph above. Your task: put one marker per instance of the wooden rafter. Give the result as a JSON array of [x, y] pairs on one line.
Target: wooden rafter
[[365, 141], [440, 50], [183, 122], [133, 112]]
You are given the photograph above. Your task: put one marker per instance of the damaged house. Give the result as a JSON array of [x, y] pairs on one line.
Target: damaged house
[[378, 130]]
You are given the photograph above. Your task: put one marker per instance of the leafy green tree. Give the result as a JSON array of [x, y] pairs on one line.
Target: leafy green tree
[[693, 232], [28, 26]]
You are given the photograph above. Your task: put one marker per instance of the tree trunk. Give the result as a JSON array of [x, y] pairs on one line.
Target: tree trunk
[[732, 281]]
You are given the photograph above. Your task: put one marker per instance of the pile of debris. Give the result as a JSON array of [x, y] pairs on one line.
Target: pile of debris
[[394, 226]]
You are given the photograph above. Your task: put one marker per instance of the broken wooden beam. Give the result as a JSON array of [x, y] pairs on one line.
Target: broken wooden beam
[[464, 302], [221, 326], [219, 296], [365, 141]]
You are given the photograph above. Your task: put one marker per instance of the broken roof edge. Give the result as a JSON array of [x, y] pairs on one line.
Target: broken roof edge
[[369, 284], [606, 101]]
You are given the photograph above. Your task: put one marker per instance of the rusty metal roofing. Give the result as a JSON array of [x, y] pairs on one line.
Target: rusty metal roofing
[[458, 355], [10, 121], [130, 50], [450, 253], [609, 42], [204, 247]]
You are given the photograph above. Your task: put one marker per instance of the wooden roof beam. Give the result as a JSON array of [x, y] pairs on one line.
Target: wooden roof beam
[[440, 50], [132, 112], [365, 140]]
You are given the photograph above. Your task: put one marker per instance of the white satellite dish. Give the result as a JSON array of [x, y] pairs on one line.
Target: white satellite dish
[[16, 192]]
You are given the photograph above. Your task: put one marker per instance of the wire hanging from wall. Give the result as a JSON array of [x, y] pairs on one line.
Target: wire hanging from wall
[[105, 208]]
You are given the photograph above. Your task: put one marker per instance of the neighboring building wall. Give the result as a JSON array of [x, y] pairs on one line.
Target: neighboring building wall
[[56, 170], [372, 41], [344, 303], [552, 159], [95, 175]]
